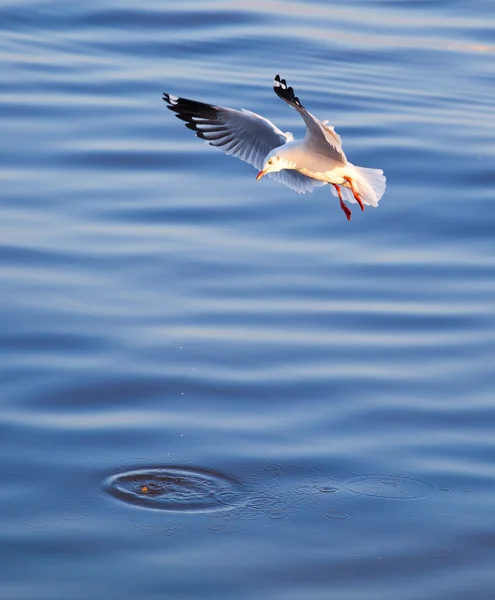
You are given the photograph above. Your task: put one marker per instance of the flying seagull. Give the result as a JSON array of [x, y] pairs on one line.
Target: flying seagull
[[316, 160]]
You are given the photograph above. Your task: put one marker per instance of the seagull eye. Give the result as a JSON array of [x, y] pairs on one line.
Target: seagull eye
[[270, 161]]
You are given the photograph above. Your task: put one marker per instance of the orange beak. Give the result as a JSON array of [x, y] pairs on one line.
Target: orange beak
[[260, 175]]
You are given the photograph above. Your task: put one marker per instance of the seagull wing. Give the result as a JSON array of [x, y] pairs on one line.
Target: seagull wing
[[240, 133], [320, 136]]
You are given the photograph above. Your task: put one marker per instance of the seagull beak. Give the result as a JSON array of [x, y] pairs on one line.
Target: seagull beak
[[260, 175]]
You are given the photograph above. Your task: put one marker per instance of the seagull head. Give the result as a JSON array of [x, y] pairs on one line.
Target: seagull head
[[273, 163]]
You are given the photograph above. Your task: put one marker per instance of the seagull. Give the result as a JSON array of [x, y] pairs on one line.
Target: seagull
[[301, 165]]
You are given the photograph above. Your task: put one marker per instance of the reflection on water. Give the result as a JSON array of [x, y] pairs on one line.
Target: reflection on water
[[330, 383]]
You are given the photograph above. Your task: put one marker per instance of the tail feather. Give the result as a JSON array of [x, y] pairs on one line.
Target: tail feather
[[370, 183]]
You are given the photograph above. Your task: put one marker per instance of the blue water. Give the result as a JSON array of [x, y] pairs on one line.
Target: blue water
[[162, 310]]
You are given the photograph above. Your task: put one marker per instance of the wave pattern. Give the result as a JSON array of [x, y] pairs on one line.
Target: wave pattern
[[161, 310]]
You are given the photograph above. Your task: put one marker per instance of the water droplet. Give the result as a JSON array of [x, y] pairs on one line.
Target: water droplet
[[337, 514], [77, 512], [275, 515], [216, 528], [388, 487], [328, 490]]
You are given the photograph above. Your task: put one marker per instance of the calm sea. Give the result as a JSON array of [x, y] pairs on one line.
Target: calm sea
[[217, 388]]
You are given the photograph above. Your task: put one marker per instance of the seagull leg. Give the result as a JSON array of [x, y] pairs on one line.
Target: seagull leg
[[356, 195], [342, 205]]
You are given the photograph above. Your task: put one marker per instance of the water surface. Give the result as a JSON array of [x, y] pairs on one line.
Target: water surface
[[162, 310]]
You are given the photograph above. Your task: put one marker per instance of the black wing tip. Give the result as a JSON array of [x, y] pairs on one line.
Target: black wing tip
[[190, 107], [170, 100], [193, 113], [285, 92]]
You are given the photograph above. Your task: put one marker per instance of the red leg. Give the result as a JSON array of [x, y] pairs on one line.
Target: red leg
[[356, 195], [342, 205]]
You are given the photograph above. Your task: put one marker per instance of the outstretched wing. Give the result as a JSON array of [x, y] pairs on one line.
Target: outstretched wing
[[240, 133], [320, 136]]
